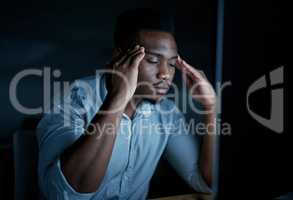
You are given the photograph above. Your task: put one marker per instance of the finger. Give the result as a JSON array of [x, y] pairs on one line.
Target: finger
[[203, 74], [190, 71], [136, 58], [125, 57], [181, 66], [186, 79], [131, 58], [120, 57]]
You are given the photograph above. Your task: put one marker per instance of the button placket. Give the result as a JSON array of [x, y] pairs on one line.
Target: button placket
[[143, 112], [112, 190], [128, 137], [131, 147]]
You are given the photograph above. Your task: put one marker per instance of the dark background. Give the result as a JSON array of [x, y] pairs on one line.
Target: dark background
[[76, 37], [255, 161]]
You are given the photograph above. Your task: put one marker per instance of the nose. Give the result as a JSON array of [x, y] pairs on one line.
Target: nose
[[163, 73]]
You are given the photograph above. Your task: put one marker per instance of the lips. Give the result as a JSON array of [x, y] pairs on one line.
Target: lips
[[161, 90], [162, 87]]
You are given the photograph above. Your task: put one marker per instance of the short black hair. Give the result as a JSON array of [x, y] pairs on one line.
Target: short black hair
[[130, 22]]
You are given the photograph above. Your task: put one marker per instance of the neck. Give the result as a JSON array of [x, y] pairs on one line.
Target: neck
[[131, 107]]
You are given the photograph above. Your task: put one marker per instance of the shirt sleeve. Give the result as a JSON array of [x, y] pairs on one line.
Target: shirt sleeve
[[58, 129], [182, 152]]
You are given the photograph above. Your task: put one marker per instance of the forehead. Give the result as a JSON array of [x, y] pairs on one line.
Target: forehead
[[158, 41]]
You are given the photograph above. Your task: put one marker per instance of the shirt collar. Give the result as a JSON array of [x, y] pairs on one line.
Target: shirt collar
[[145, 108], [102, 84]]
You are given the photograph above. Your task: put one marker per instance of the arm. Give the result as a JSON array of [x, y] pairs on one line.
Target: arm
[[206, 153], [183, 152], [202, 91], [85, 162]]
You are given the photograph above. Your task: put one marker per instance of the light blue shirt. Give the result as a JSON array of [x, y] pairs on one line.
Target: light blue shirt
[[155, 129]]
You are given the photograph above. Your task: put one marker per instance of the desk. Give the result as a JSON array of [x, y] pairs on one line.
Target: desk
[[187, 197]]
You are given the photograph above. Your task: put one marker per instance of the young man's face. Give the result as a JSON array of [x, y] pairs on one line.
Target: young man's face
[[157, 69]]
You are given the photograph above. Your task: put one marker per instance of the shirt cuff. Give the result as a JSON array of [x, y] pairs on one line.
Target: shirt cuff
[[68, 192], [199, 184]]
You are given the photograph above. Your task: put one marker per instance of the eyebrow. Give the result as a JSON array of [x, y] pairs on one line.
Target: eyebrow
[[160, 55]]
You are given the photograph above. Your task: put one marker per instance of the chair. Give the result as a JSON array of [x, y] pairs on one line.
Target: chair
[[25, 150]]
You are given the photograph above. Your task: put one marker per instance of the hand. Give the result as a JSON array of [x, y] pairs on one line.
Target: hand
[[125, 72], [200, 88]]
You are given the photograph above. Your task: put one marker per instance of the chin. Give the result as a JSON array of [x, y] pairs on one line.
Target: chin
[[154, 99], [151, 96]]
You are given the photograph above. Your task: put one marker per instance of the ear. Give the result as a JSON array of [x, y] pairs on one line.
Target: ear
[[116, 52]]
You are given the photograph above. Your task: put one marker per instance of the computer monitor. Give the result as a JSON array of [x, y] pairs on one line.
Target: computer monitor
[[254, 161]]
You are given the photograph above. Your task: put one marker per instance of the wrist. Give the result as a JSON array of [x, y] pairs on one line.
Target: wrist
[[208, 106], [209, 110], [116, 102]]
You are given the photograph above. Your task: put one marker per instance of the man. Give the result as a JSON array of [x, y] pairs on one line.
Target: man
[[113, 143]]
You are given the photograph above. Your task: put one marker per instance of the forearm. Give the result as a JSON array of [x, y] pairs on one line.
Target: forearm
[[206, 154], [84, 163]]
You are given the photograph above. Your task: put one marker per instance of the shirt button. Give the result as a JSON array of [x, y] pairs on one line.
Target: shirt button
[[126, 177]]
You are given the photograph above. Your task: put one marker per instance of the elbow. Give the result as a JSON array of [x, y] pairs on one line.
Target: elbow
[[78, 183], [208, 179], [206, 173]]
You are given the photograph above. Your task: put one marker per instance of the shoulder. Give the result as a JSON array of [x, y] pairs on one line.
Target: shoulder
[[89, 88], [93, 81]]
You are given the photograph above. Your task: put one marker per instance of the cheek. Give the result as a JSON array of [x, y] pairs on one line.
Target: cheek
[[146, 71], [172, 73]]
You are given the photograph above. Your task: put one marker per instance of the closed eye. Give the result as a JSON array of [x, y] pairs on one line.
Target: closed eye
[[152, 61]]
